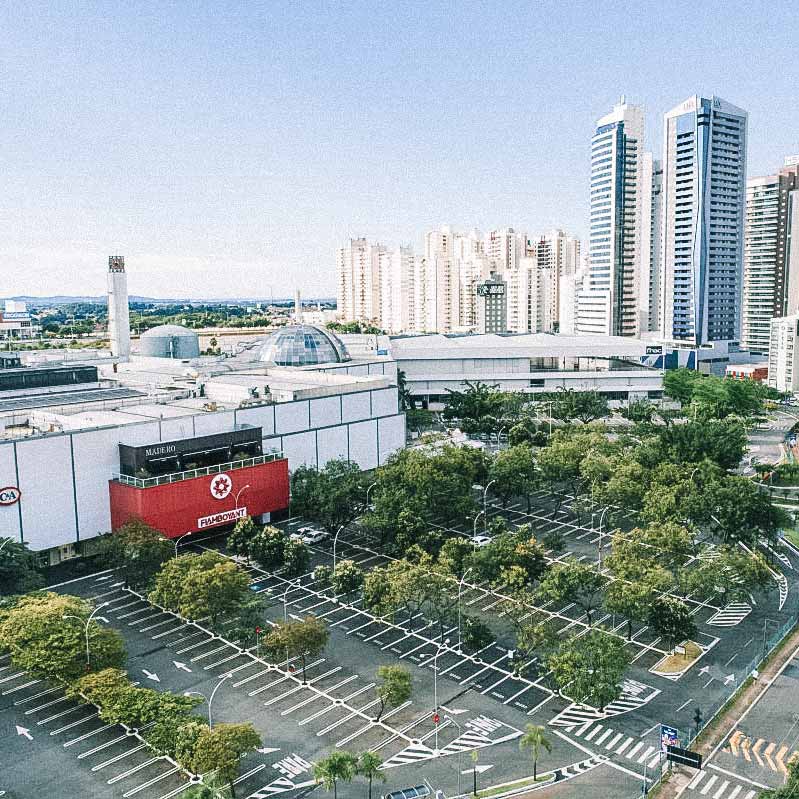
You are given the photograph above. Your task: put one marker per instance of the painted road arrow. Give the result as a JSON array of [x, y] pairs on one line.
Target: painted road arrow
[[756, 750], [735, 739], [181, 666], [25, 733], [151, 675], [729, 678], [780, 758], [478, 769], [704, 670], [268, 750], [745, 744]]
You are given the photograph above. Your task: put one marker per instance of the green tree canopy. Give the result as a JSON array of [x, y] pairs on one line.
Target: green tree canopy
[[574, 582], [303, 639], [18, 572], [48, 645], [330, 497], [533, 741], [338, 766], [221, 748], [514, 473], [671, 618], [477, 409], [586, 406], [137, 551], [589, 668], [393, 688], [268, 547], [200, 586]]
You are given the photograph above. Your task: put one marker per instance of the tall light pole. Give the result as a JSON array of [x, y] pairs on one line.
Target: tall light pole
[[439, 647], [86, 627], [7, 540], [599, 540], [178, 540], [460, 588], [474, 528], [499, 432], [213, 694], [484, 489], [335, 542], [368, 490], [766, 622], [239, 493]]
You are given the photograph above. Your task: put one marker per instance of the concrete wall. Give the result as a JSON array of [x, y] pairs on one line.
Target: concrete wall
[[64, 476]]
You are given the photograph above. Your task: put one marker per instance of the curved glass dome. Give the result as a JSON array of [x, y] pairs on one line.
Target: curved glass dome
[[303, 345]]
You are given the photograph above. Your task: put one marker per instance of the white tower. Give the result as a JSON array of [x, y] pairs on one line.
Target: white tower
[[118, 313]]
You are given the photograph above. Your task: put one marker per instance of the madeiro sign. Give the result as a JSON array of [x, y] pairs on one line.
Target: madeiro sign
[[10, 495], [225, 517]]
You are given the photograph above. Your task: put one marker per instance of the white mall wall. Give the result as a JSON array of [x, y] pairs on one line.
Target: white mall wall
[[64, 477]]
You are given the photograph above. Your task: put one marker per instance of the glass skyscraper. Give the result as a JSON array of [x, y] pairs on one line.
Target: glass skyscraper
[[704, 188]]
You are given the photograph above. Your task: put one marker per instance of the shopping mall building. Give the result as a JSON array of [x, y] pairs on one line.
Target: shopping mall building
[[186, 442]]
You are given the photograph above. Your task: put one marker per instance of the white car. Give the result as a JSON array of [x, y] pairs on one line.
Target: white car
[[481, 540], [314, 537]]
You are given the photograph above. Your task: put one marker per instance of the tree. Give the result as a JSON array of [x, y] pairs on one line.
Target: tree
[[475, 634], [590, 667], [200, 586], [332, 497], [679, 384], [296, 557], [378, 596], [305, 638], [721, 441], [514, 473], [534, 740], [574, 582], [586, 406], [732, 574], [639, 411], [49, 646], [671, 618], [240, 538], [137, 551], [742, 512], [629, 599], [368, 766], [347, 578], [337, 766], [476, 409], [394, 687], [268, 547], [455, 556], [18, 572], [539, 637], [221, 748]]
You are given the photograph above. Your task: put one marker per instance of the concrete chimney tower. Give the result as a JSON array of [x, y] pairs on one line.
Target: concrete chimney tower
[[118, 312], [297, 307]]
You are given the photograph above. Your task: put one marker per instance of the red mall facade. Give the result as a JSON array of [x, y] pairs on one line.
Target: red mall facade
[[181, 503]]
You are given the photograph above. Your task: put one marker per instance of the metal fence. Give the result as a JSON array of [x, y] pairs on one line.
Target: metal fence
[[176, 477]]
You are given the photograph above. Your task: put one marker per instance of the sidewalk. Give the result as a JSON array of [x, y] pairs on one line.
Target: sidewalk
[[718, 731]]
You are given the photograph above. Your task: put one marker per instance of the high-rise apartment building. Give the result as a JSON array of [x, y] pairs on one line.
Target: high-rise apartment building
[[492, 305], [783, 356], [650, 297], [704, 181], [771, 255], [358, 291], [617, 249]]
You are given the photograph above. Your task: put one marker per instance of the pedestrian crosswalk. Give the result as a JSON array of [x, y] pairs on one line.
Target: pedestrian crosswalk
[[634, 695], [731, 615], [716, 786], [607, 739], [575, 769], [410, 754]]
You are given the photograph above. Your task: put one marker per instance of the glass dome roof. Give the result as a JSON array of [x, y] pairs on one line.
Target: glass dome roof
[[303, 345]]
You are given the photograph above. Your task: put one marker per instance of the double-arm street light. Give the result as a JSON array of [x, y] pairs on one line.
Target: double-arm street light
[[208, 700], [484, 489], [86, 624]]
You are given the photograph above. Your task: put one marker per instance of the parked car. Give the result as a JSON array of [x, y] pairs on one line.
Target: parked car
[[314, 537], [481, 540]]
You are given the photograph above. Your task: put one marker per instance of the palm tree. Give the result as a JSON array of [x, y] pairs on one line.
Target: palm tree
[[534, 740], [336, 766], [369, 766]]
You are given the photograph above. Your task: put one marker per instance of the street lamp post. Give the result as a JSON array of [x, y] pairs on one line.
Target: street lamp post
[[368, 490], [474, 529], [86, 628], [599, 540], [484, 489], [178, 540], [435, 683], [286, 612], [213, 694], [500, 431], [239, 493], [460, 588], [335, 542], [766, 622], [7, 540]]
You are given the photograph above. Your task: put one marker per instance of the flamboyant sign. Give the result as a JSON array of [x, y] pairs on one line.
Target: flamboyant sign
[[10, 495], [225, 517]]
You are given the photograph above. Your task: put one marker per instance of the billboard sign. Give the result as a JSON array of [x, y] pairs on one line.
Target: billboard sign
[[669, 736], [224, 517]]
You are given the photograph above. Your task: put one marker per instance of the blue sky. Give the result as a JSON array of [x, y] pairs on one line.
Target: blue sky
[[227, 149]]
